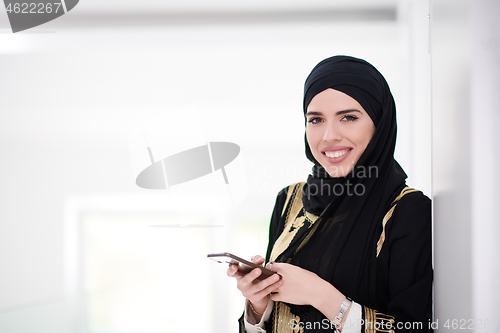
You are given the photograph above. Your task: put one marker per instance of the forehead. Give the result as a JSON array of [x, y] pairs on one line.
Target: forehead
[[333, 100]]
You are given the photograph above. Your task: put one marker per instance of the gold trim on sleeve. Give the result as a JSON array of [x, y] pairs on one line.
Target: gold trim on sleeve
[[388, 216], [369, 321], [384, 222], [375, 321]]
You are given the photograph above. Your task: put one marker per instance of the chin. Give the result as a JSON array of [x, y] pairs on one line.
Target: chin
[[337, 171]]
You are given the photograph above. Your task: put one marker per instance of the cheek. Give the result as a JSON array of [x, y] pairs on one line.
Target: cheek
[[370, 131], [365, 140], [313, 139], [366, 135], [310, 137]]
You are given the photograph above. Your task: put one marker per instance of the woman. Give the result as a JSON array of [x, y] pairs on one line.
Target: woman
[[353, 243]]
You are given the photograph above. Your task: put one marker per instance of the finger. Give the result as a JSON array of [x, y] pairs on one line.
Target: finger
[[262, 285], [245, 284], [232, 271], [264, 293], [257, 259], [251, 276], [270, 289], [250, 285], [273, 266]]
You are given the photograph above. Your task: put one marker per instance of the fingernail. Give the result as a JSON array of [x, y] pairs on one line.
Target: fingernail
[[256, 272]]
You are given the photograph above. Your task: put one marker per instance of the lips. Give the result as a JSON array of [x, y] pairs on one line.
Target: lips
[[336, 154]]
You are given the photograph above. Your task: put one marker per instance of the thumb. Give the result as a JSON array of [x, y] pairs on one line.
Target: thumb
[[272, 266]]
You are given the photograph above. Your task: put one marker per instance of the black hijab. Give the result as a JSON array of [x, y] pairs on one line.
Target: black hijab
[[342, 247], [363, 82]]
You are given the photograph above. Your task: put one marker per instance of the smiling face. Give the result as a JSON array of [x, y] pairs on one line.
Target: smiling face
[[338, 130]]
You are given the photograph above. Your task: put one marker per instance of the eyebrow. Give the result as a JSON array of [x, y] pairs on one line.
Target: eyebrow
[[338, 113]]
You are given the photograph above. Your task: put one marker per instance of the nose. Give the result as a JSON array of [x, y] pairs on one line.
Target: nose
[[332, 133]]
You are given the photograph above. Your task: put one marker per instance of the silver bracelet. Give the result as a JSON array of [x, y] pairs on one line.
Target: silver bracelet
[[340, 314]]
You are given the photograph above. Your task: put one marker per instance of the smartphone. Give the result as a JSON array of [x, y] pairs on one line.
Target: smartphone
[[244, 266]]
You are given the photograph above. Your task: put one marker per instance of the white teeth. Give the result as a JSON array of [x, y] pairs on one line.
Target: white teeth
[[335, 154]]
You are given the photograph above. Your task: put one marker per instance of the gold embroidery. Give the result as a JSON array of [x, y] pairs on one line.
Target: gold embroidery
[[384, 222], [369, 322], [289, 194], [296, 191], [310, 217], [388, 216], [377, 322], [292, 224], [283, 319], [287, 322], [296, 205], [385, 317], [309, 235], [406, 190]]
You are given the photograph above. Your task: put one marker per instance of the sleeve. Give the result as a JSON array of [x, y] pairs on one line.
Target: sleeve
[[404, 270], [251, 325], [353, 323]]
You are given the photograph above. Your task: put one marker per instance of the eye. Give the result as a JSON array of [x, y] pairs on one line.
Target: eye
[[314, 120], [348, 118]]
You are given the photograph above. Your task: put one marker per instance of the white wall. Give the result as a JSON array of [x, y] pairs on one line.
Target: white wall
[[465, 78], [485, 149], [450, 31]]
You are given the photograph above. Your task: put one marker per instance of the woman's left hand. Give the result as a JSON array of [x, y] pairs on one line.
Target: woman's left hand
[[300, 286]]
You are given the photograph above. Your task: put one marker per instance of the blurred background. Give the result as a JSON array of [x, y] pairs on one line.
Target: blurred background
[[83, 249]]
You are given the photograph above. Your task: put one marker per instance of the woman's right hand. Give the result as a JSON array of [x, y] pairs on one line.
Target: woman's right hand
[[257, 293]]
